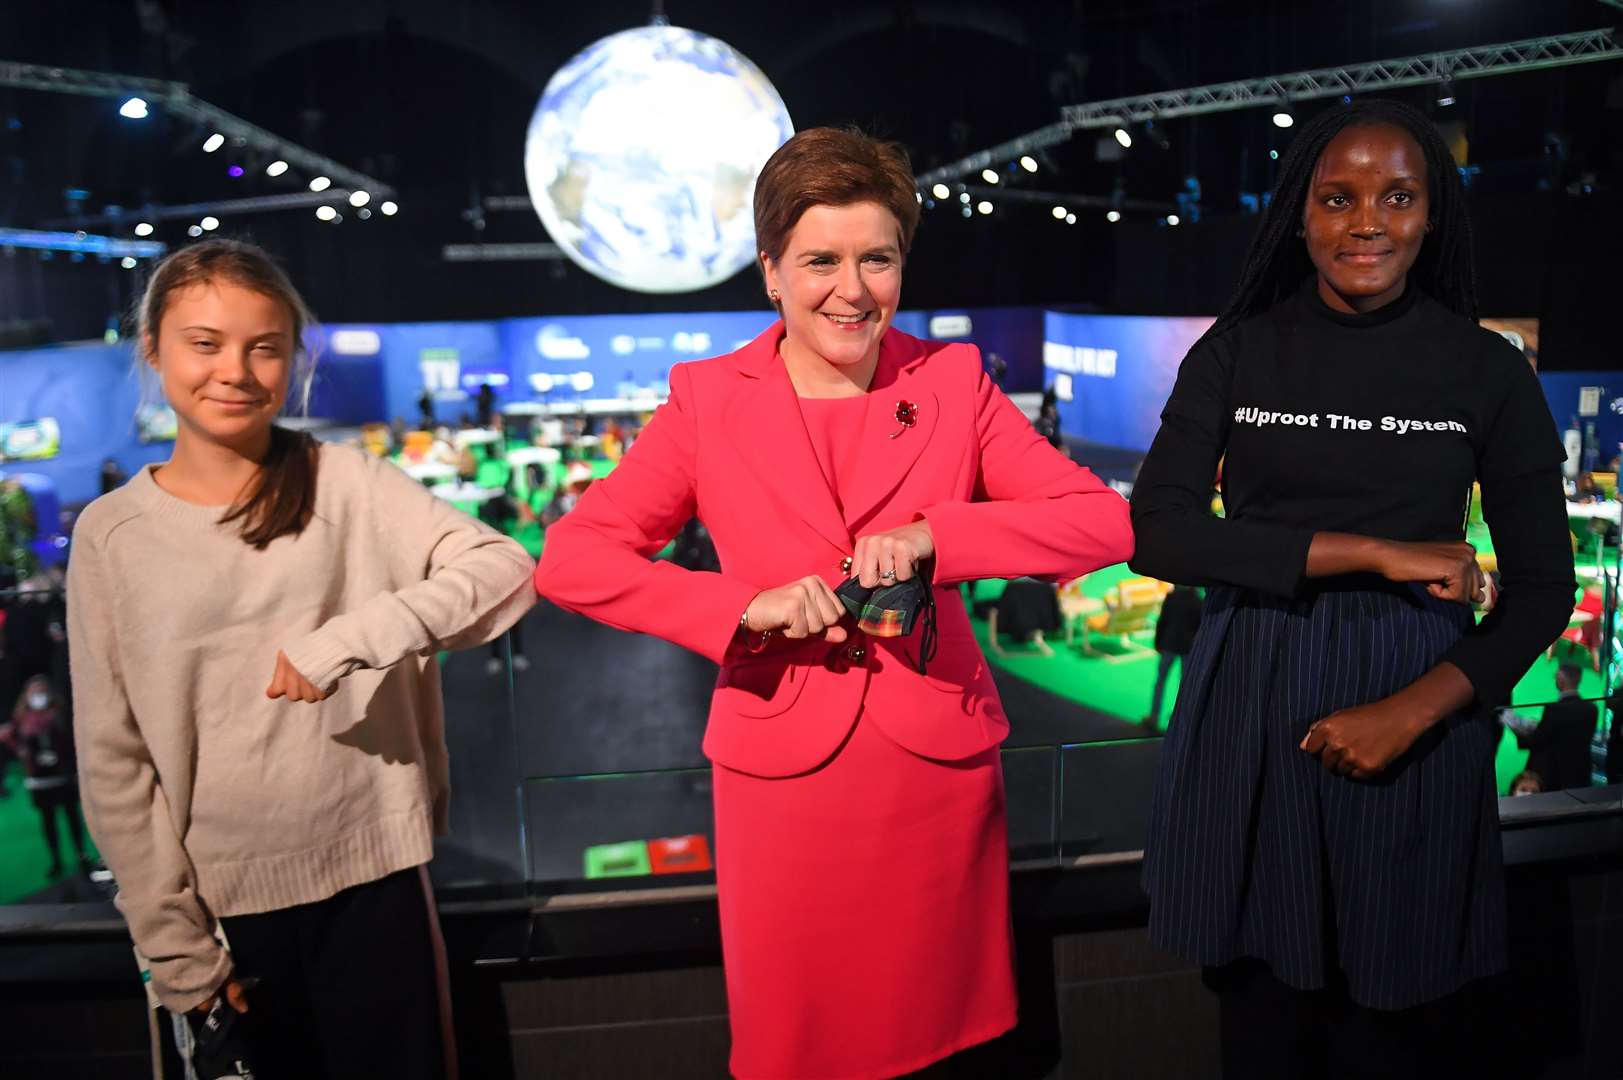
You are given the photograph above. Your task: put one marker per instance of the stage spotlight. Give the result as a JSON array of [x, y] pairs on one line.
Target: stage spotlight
[[234, 171], [133, 109], [984, 207], [1059, 213], [127, 262], [941, 191], [326, 213], [143, 228], [389, 208], [320, 183], [968, 212], [1028, 163], [1283, 117], [1124, 138], [210, 223], [364, 214], [989, 175], [963, 197], [1445, 93], [1113, 216], [359, 198], [194, 230], [213, 143], [1070, 219], [276, 168], [1273, 155], [1172, 219]]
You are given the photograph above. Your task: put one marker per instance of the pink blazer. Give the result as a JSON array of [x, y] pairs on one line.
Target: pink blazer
[[730, 447]]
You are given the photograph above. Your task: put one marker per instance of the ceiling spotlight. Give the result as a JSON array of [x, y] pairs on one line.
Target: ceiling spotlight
[[320, 183], [234, 171], [389, 208], [364, 214], [210, 223], [1273, 155], [989, 175], [276, 168], [133, 109], [968, 212], [1028, 163], [941, 191], [984, 207], [1059, 213], [963, 197], [359, 198], [1070, 219], [194, 230], [1113, 216], [1445, 93], [1172, 219], [213, 143], [1283, 117], [127, 262], [1124, 138], [143, 228], [326, 213]]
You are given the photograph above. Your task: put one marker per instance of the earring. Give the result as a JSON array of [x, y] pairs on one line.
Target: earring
[[774, 295]]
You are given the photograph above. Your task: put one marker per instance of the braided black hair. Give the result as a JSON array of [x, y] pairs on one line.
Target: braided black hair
[[1277, 260]]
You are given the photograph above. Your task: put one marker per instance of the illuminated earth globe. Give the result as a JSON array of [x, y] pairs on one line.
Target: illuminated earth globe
[[642, 156]]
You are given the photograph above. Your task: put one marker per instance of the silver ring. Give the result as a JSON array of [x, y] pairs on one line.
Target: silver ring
[[887, 575]]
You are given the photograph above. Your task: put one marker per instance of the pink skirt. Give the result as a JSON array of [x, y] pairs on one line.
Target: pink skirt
[[864, 912]]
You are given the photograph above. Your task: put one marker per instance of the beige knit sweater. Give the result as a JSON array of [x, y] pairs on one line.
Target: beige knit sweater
[[206, 797]]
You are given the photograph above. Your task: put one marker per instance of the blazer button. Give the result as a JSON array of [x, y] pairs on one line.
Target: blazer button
[[856, 654], [845, 565]]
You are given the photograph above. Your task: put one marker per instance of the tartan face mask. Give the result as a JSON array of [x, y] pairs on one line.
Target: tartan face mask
[[890, 611]]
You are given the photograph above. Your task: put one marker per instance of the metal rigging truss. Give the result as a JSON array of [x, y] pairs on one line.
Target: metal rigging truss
[[175, 99], [1480, 61]]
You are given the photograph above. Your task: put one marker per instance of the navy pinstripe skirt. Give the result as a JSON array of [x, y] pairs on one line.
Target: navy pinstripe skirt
[[1256, 850]]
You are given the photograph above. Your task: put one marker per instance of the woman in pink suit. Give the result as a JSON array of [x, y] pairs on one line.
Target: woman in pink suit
[[861, 848]]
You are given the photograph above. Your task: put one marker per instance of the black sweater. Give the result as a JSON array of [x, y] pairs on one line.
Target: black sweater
[[1372, 424]]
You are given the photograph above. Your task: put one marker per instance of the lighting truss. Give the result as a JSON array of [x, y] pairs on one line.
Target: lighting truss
[[255, 204], [1530, 54], [1068, 200], [175, 99], [83, 243], [501, 252]]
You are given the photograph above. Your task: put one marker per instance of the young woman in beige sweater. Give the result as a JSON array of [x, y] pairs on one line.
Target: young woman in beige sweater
[[253, 627]]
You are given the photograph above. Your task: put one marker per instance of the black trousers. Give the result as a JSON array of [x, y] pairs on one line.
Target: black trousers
[[1271, 1031], [349, 986], [64, 800]]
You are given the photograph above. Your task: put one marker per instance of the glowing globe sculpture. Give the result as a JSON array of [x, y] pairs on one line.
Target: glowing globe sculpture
[[642, 155]]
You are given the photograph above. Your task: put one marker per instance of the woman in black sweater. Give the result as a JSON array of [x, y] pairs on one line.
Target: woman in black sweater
[[1324, 835]]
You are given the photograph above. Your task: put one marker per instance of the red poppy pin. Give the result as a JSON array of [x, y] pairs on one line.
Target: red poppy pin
[[907, 414]]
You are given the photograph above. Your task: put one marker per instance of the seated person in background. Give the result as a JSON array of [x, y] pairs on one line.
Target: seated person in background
[[577, 478], [1526, 783], [1559, 743]]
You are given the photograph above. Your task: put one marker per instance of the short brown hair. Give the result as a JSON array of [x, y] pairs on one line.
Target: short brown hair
[[282, 497], [831, 167]]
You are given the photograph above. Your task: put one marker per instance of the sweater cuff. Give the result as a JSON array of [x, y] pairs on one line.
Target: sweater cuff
[[181, 987], [320, 657]]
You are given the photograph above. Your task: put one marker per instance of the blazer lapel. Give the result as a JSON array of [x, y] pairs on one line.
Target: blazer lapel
[[764, 424], [888, 447]]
